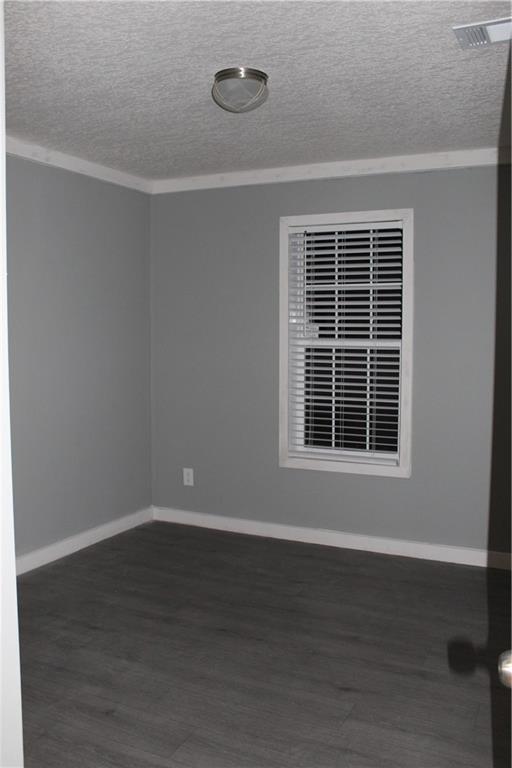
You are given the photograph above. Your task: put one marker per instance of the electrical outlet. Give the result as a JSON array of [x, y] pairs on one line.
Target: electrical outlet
[[188, 476]]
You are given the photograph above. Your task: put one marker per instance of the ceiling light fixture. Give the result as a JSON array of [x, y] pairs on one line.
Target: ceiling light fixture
[[240, 89]]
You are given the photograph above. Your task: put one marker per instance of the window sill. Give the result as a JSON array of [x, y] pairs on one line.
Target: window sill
[[351, 467]]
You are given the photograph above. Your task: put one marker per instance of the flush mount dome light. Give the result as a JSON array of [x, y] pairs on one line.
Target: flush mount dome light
[[240, 89]]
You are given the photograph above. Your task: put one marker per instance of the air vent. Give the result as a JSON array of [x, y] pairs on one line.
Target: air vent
[[484, 33]]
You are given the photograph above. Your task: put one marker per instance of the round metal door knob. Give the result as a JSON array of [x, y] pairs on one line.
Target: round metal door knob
[[505, 668]]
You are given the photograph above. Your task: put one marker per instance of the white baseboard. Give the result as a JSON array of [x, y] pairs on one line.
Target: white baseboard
[[67, 546], [330, 538], [418, 549]]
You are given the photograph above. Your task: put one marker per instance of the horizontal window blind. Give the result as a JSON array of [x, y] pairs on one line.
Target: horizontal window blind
[[345, 302]]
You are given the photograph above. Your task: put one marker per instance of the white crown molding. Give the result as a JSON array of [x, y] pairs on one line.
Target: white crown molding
[[416, 549], [432, 161], [56, 159], [64, 547], [464, 158]]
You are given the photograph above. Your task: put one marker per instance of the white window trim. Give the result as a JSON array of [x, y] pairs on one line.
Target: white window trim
[[356, 466]]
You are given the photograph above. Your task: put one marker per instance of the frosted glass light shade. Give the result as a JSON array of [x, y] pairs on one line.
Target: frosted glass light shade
[[240, 89]]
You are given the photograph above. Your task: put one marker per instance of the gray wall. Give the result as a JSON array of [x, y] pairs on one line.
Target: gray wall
[[79, 351], [214, 262], [78, 253]]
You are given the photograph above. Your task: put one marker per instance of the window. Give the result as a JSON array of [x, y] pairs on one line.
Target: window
[[346, 337]]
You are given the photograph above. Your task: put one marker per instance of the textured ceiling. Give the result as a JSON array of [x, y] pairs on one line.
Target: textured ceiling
[[127, 84]]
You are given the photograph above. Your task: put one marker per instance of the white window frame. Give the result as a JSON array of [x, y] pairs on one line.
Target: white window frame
[[358, 464]]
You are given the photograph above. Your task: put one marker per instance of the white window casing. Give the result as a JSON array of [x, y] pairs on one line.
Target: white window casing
[[346, 329]]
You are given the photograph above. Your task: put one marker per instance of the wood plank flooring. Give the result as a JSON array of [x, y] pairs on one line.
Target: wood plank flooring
[[186, 648]]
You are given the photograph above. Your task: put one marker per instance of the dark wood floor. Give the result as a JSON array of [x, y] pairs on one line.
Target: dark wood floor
[[180, 647]]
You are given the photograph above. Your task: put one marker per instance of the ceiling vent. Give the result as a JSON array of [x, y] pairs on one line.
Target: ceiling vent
[[484, 33]]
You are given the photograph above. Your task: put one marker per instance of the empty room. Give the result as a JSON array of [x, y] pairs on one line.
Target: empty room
[[255, 384]]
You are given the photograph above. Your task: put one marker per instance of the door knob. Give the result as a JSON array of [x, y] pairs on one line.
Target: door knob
[[505, 668]]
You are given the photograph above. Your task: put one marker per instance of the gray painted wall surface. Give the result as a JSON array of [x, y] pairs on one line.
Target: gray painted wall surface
[[79, 335], [79, 351], [215, 358]]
